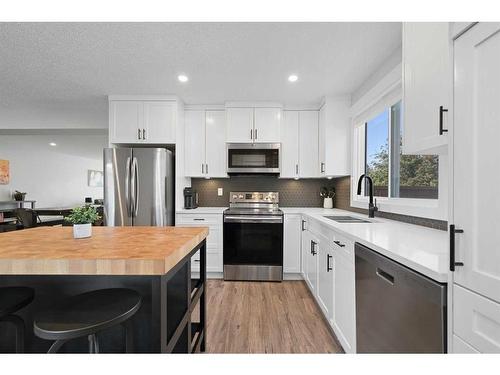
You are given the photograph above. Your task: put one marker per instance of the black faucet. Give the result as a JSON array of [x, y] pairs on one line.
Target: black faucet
[[371, 207]]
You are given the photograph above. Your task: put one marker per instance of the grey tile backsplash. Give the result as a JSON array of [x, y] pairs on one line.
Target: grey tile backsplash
[[295, 193]]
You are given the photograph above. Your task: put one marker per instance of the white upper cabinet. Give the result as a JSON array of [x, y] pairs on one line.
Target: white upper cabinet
[[215, 144], [476, 155], [290, 145], [125, 121], [299, 144], [194, 152], [239, 125], [253, 124], [334, 138], [308, 143], [427, 82], [159, 121], [267, 123], [205, 143], [132, 120]]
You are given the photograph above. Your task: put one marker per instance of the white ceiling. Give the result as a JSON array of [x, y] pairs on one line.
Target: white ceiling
[[58, 74]]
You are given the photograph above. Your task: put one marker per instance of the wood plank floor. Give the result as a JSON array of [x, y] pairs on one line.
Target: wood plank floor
[[262, 317]]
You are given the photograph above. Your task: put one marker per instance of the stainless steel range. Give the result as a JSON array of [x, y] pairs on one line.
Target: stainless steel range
[[253, 237]]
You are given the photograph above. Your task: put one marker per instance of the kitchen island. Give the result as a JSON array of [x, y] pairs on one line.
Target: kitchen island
[[154, 261]]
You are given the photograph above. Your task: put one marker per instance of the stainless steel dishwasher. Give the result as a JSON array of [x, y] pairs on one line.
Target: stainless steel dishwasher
[[398, 310]]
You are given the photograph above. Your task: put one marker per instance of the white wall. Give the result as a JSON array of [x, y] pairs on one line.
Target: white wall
[[53, 176]]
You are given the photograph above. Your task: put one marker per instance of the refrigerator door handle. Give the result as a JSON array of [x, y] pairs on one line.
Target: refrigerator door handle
[[127, 187], [135, 167]]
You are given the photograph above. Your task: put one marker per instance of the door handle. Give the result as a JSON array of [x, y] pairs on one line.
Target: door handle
[[338, 243], [206, 168], [313, 247], [202, 168], [256, 136], [296, 169], [442, 110], [127, 186], [138, 133], [251, 134], [303, 225], [328, 257], [144, 134], [135, 185], [453, 231], [322, 167], [385, 276]]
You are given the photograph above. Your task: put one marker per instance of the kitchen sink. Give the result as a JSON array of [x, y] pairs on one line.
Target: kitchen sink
[[347, 219]]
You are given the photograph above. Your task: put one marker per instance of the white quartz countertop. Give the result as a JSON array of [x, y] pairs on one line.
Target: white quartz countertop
[[202, 210], [424, 250]]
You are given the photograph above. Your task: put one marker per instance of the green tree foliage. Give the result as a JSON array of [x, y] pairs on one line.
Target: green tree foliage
[[415, 170]]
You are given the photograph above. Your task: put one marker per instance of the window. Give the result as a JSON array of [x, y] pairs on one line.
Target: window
[[396, 175]]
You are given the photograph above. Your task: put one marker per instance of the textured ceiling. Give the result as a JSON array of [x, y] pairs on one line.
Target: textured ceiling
[[58, 74]]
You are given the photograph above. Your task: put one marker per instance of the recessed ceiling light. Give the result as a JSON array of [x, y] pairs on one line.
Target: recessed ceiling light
[[53, 144], [292, 78], [182, 78]]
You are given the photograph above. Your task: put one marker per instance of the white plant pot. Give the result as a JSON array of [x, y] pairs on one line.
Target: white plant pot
[[82, 230], [328, 203]]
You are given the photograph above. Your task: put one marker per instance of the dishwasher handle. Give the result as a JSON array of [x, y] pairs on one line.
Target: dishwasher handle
[[388, 278]]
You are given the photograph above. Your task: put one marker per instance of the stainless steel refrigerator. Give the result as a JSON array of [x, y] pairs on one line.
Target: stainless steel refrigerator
[[138, 187]]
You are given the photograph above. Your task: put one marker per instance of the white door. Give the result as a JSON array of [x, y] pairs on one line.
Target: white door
[[194, 135], [267, 125], [345, 301], [476, 156], [159, 122], [215, 144], [308, 143], [125, 120], [239, 125], [326, 279], [322, 141], [290, 144], [427, 78], [291, 243]]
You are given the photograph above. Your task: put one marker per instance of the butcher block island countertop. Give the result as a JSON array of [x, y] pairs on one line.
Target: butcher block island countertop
[[110, 250]]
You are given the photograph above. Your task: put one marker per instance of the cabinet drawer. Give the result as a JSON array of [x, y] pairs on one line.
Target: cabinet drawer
[[201, 220], [344, 246], [476, 320], [214, 262]]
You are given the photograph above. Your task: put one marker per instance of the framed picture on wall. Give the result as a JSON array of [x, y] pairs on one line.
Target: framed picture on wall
[[95, 178], [4, 172]]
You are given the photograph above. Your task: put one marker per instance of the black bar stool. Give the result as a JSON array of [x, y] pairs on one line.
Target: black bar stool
[[13, 299], [87, 314]]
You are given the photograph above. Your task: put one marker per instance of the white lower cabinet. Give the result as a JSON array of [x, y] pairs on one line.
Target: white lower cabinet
[[326, 279], [328, 270], [214, 239], [476, 320], [291, 243]]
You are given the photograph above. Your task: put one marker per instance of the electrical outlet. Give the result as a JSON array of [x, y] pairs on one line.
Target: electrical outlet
[[220, 192]]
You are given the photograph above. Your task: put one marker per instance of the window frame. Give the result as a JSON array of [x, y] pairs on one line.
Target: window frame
[[428, 208]]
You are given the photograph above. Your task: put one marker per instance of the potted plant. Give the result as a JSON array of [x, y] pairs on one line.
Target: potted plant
[[327, 194], [82, 219]]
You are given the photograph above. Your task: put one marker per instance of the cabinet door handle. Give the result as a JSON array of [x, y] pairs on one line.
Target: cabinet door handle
[[322, 167], [206, 168], [442, 110], [196, 219], [251, 134], [313, 247], [453, 231], [202, 168], [138, 133], [338, 243], [303, 225], [256, 134], [328, 267], [143, 133], [296, 169]]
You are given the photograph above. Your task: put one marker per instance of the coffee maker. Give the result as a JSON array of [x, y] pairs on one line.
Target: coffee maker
[[190, 198]]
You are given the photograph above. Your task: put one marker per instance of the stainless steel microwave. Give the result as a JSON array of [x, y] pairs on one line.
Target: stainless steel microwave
[[253, 158]]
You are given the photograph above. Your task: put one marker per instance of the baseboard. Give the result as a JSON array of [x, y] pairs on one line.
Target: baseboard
[[293, 276]]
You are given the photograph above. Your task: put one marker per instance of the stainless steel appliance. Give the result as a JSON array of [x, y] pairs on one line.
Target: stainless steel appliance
[[253, 237], [253, 158], [190, 198], [138, 187], [398, 310]]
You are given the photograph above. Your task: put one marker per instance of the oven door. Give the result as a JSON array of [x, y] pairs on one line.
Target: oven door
[[253, 158], [253, 248]]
